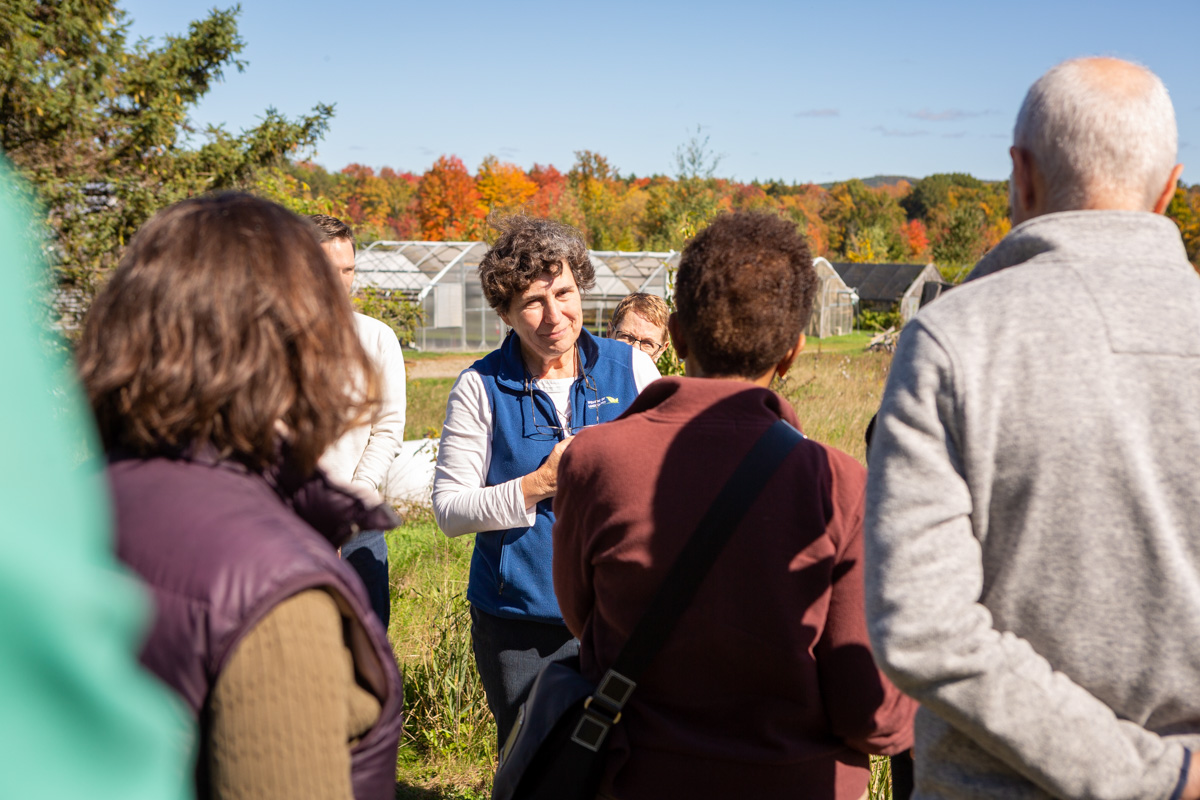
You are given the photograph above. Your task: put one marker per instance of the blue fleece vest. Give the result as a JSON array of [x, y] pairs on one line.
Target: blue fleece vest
[[510, 569]]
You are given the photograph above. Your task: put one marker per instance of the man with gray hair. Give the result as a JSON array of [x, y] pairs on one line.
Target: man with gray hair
[[1032, 567]]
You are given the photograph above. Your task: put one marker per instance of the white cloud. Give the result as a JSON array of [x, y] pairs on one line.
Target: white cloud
[[949, 115], [880, 129]]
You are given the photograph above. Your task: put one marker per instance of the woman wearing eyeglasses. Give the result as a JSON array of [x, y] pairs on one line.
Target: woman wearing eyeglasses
[[508, 420], [640, 320]]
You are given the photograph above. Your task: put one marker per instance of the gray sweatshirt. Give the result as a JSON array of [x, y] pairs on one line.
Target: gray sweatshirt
[[1033, 516]]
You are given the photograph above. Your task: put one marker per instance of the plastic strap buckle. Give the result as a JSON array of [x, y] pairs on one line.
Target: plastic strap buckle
[[602, 710]]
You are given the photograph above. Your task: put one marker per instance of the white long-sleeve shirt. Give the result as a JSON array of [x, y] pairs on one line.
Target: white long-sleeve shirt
[[461, 501], [363, 454]]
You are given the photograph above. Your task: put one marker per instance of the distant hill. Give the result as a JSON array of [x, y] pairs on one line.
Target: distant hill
[[875, 181]]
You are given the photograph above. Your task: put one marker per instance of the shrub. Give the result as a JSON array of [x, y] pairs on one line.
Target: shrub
[[400, 314], [879, 320]]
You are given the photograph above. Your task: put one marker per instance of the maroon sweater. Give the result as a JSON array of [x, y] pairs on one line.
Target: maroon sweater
[[766, 688]]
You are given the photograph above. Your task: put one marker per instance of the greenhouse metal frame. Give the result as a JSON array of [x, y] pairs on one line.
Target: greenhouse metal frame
[[443, 278], [835, 304]]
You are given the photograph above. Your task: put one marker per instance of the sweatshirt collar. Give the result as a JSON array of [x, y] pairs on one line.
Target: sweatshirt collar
[[676, 397], [1086, 235]]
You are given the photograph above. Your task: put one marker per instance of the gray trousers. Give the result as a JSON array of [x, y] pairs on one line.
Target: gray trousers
[[509, 654]]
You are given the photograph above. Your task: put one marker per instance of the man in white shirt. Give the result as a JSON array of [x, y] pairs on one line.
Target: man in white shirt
[[364, 454]]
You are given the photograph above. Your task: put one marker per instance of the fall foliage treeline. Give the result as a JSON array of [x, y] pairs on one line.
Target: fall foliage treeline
[[98, 126], [951, 219]]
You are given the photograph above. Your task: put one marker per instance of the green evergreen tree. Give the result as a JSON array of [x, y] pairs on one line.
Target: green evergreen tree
[[99, 126]]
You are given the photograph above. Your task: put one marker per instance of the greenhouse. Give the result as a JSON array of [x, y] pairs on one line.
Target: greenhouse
[[443, 278], [883, 287], [834, 304]]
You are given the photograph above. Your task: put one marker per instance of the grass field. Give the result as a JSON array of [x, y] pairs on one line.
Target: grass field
[[834, 385], [448, 743], [411, 355], [449, 749], [426, 407]]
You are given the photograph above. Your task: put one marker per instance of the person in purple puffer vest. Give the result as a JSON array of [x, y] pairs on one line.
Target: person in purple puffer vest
[[221, 361]]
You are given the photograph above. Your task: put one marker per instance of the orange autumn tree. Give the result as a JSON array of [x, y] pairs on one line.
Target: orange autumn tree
[[802, 203], [863, 223], [402, 202], [503, 186], [380, 205], [554, 198], [1184, 209], [752, 197], [613, 208], [366, 198], [448, 204], [916, 238]]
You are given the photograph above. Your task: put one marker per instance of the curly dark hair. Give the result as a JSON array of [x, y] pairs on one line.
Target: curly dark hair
[[527, 247], [222, 322], [744, 293]]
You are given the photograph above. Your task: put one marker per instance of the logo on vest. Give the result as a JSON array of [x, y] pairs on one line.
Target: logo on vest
[[602, 401]]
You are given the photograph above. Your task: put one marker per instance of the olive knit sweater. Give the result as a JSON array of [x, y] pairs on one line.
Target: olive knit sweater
[[287, 708]]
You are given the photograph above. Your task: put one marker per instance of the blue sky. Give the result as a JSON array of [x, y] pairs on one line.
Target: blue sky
[[793, 90]]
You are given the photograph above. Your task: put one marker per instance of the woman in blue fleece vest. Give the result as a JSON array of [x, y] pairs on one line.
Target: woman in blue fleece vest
[[508, 420]]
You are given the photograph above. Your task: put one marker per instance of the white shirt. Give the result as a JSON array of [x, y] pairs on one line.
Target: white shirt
[[363, 454], [461, 501]]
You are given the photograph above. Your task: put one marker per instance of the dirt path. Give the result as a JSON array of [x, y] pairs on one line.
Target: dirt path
[[442, 367]]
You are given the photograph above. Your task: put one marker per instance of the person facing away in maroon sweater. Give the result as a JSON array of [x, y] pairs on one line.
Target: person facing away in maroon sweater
[[766, 688]]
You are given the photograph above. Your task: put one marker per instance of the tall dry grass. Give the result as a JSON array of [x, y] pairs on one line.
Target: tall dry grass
[[835, 394], [449, 738]]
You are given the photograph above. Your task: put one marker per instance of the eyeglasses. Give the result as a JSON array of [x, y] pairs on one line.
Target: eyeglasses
[[544, 432], [647, 346]]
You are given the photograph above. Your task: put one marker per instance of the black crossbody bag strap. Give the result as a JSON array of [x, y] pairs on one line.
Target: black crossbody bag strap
[[683, 581]]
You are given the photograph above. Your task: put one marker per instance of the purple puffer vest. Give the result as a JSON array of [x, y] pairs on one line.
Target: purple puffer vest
[[221, 546]]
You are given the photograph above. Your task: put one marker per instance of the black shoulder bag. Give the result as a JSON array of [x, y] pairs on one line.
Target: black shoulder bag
[[555, 750]]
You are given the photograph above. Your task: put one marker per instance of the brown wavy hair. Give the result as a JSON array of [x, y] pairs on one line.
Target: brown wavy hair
[[744, 292], [527, 247], [225, 325]]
